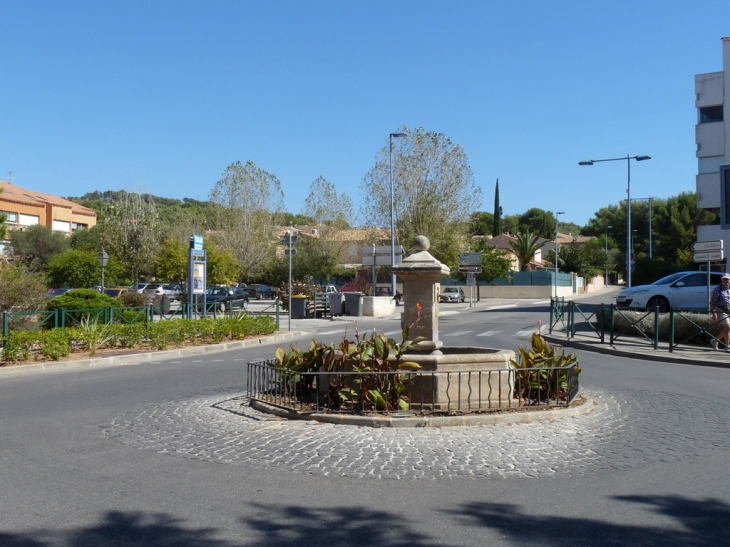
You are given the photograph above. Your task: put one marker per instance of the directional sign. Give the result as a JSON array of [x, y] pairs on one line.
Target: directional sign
[[470, 258], [382, 250], [708, 256], [715, 245], [380, 260], [472, 269]]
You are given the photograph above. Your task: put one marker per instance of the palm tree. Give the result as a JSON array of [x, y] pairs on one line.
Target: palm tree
[[524, 247]]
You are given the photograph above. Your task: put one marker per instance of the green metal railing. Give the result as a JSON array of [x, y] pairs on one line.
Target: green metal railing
[[647, 325]]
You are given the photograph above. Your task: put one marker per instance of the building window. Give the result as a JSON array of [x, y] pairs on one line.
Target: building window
[[61, 226], [28, 220], [725, 196], [709, 114], [710, 164], [11, 218]]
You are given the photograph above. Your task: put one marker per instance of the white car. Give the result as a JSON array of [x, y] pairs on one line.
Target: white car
[[452, 294], [683, 290]]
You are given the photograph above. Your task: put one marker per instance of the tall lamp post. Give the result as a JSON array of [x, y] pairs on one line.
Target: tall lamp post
[[557, 251], [392, 221], [628, 205], [103, 259], [606, 272]]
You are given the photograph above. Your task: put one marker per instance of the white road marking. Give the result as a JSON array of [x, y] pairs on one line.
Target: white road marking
[[391, 333], [541, 302], [489, 333], [459, 333], [447, 313], [530, 332], [332, 331]]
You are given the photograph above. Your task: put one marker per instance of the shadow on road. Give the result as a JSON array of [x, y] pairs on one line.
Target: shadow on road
[[274, 526], [699, 523]]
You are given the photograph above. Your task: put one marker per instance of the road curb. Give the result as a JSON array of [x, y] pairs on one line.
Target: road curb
[[658, 356], [521, 417], [141, 358]]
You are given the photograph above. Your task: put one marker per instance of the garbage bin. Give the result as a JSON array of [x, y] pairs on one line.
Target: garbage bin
[[353, 303], [161, 305], [298, 307], [336, 303]]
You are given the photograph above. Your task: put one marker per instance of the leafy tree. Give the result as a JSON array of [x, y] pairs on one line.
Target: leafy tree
[[81, 299], [171, 262], [21, 289], [223, 267], [481, 224], [537, 221], [497, 216], [434, 190], [495, 262], [36, 245], [289, 219], [80, 268], [87, 240], [250, 201], [525, 247], [324, 251], [130, 231]]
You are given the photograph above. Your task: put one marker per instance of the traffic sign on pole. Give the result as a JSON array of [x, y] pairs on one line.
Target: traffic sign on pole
[[708, 256], [472, 269], [715, 245]]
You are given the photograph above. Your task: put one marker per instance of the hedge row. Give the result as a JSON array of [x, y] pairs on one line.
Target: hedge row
[[687, 325], [89, 337]]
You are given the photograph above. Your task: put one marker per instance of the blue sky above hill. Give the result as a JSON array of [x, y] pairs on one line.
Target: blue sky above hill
[[162, 96]]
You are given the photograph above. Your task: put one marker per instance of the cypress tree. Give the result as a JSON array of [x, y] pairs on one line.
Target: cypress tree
[[497, 228]]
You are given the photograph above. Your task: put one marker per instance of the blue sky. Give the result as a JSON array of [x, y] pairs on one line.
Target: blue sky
[[162, 96]]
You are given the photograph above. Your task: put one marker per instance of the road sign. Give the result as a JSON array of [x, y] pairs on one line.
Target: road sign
[[708, 256], [290, 252], [382, 250], [471, 282], [470, 259], [472, 269], [380, 260], [715, 245]]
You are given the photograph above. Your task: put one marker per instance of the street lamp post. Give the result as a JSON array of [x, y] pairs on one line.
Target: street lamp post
[[557, 251], [606, 272], [628, 205], [103, 259], [392, 221]]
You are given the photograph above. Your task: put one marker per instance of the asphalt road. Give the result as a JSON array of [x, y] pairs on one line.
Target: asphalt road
[[149, 455]]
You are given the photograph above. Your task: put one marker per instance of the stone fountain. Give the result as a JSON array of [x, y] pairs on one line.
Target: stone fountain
[[474, 381]]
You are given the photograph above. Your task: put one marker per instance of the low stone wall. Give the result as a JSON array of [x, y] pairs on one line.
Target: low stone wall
[[378, 306]]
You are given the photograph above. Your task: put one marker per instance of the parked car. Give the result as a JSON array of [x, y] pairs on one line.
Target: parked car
[[259, 291], [683, 290], [57, 292], [172, 290], [226, 298], [388, 291], [452, 294], [139, 287], [116, 292]]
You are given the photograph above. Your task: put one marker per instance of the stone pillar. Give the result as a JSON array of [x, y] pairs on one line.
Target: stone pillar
[[421, 274]]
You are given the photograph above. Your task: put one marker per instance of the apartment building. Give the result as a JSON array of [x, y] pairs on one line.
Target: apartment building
[[712, 99], [25, 208]]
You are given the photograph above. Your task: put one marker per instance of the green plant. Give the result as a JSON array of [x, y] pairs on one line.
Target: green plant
[[92, 335], [19, 345], [380, 359], [54, 344], [542, 371]]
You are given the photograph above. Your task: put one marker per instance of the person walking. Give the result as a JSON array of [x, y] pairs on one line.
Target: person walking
[[720, 300]]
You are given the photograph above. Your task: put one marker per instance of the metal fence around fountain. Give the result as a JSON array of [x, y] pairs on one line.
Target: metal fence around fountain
[[316, 392]]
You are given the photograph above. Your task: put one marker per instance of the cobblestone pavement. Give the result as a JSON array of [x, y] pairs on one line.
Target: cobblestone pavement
[[625, 430]]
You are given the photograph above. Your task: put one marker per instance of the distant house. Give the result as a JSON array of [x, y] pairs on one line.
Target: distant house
[[503, 242], [353, 239], [25, 208]]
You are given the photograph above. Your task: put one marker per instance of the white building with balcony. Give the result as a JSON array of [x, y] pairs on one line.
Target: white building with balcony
[[712, 99]]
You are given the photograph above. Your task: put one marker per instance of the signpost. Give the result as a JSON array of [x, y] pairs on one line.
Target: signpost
[[708, 251], [470, 264]]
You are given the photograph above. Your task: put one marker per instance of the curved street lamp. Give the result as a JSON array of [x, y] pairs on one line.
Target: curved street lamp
[[628, 206]]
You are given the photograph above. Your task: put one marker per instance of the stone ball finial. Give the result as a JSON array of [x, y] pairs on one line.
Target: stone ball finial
[[421, 243]]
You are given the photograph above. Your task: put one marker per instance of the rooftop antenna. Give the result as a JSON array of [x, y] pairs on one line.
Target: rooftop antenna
[[10, 176]]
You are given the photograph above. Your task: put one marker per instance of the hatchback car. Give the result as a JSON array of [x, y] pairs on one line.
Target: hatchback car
[[259, 291], [683, 290], [452, 294], [226, 298]]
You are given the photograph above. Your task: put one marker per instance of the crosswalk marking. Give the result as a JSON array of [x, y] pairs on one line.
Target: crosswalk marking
[[489, 333], [459, 333], [391, 333], [332, 331], [530, 332], [502, 307]]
